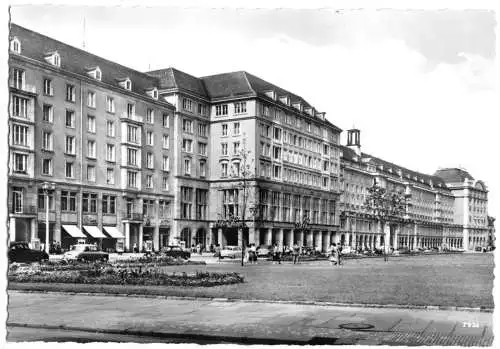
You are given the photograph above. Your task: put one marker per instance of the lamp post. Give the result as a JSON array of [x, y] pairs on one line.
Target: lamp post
[[47, 187], [302, 225]]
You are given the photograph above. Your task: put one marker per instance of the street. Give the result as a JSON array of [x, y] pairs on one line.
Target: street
[[228, 321]]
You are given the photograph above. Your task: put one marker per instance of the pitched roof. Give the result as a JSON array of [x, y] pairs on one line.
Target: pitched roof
[[174, 78], [453, 175], [349, 155], [36, 46]]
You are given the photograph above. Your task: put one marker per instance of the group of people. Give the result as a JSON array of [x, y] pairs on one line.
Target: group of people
[[335, 254]]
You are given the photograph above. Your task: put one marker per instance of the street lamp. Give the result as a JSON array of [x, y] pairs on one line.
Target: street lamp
[[302, 225], [47, 187]]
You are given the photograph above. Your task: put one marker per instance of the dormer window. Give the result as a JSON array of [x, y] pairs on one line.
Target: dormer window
[[152, 92], [95, 73], [15, 45], [125, 83], [285, 100], [54, 58], [297, 106], [271, 94]]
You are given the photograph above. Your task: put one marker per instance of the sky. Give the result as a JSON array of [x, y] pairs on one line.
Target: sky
[[418, 84]]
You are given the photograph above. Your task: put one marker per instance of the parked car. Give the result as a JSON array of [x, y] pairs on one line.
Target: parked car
[[231, 252], [263, 251], [176, 252], [20, 252], [86, 253]]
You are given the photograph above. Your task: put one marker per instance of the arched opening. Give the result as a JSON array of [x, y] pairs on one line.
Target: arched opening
[[186, 237], [201, 238]]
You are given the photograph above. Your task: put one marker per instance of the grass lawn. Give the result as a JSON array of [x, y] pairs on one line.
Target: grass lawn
[[464, 280]]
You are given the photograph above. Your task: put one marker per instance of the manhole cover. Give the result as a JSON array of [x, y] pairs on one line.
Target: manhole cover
[[355, 326]]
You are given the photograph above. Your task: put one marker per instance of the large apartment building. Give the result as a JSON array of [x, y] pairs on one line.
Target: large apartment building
[[149, 159]]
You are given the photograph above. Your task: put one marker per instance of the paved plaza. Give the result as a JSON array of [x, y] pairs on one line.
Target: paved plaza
[[232, 321]]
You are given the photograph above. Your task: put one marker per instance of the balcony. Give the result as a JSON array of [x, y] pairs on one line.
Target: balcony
[[132, 117], [23, 209], [26, 89], [132, 216]]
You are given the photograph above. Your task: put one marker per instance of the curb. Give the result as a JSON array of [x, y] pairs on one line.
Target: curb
[[235, 300]]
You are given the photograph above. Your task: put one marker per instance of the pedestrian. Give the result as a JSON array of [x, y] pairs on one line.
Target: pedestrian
[[247, 254], [135, 249], [295, 253], [278, 254], [338, 254], [332, 254], [217, 252], [253, 254]]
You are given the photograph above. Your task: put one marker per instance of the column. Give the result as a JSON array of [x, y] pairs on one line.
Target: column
[[387, 236], [219, 236], [140, 238], [279, 239], [240, 237], [257, 237], [156, 237], [465, 244], [127, 236], [269, 236], [396, 237], [12, 229], [252, 236], [34, 233], [326, 236], [415, 232], [309, 238], [290, 238], [354, 237], [301, 238]]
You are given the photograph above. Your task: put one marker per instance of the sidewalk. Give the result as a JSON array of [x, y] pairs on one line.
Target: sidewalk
[[258, 322]]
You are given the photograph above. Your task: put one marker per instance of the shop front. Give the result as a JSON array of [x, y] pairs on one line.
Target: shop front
[[116, 240]]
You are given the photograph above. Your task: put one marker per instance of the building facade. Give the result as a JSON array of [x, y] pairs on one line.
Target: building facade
[[129, 159]]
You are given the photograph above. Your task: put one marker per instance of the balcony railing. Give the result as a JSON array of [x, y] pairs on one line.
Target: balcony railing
[[23, 209], [133, 216], [133, 117]]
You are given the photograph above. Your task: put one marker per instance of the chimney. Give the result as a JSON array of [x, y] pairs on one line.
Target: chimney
[[353, 140]]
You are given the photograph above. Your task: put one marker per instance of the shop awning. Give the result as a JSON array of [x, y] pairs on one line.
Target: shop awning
[[94, 231], [114, 233], [74, 231]]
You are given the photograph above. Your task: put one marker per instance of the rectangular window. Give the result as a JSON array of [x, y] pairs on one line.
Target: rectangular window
[[70, 93], [130, 110], [91, 99], [276, 153], [224, 148], [277, 133], [90, 173], [149, 181], [91, 123], [132, 179], [187, 126], [110, 176], [203, 168], [110, 104], [201, 204], [166, 163], [70, 145], [110, 152], [240, 107], [202, 109], [108, 204], [132, 134], [164, 183], [187, 145], [186, 202], [48, 113], [91, 149], [230, 207], [20, 135], [265, 110], [165, 142], [20, 163], [236, 147], [223, 169], [70, 118], [236, 168], [224, 129], [70, 171], [150, 160], [150, 116], [236, 130], [221, 110], [42, 198], [187, 104], [19, 107], [166, 120], [68, 201], [110, 128], [48, 89], [132, 156], [149, 138], [202, 148], [202, 130], [89, 202], [18, 78], [276, 172], [187, 166], [47, 140], [47, 167]]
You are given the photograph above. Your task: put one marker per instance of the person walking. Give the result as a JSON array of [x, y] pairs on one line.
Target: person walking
[[217, 252], [338, 254], [332, 254], [253, 254], [295, 253]]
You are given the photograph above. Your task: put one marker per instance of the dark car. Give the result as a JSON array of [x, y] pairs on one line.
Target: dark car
[[21, 253], [86, 253], [176, 252]]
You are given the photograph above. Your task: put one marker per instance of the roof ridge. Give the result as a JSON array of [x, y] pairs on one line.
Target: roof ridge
[[248, 81], [80, 50]]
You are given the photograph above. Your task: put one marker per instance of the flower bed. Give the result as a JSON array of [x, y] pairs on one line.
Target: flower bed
[[97, 273]]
